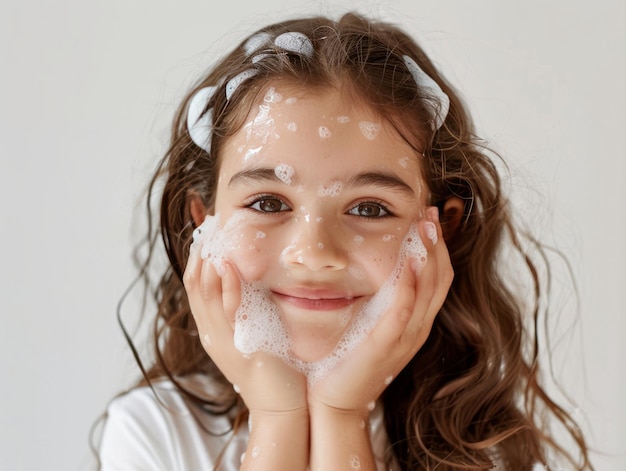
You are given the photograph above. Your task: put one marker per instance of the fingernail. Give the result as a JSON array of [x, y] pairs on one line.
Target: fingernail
[[417, 264], [220, 268], [431, 231], [433, 213]]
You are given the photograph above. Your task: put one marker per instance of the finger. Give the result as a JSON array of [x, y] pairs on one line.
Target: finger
[[231, 293], [396, 317], [191, 276], [433, 282]]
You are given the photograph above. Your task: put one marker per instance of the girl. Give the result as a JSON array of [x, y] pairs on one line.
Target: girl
[[343, 303]]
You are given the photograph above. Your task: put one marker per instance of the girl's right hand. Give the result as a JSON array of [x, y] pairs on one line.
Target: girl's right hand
[[266, 384]]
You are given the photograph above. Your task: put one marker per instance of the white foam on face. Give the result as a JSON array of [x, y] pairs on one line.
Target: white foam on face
[[343, 119], [262, 125], [355, 462], [282, 258], [284, 172], [292, 126], [403, 162], [291, 100], [272, 96], [324, 132], [369, 129], [260, 235], [251, 153], [331, 189], [358, 239], [388, 237], [258, 320]]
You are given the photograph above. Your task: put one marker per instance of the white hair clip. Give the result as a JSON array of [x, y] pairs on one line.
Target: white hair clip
[[431, 88], [255, 41], [295, 42], [237, 80], [199, 122]]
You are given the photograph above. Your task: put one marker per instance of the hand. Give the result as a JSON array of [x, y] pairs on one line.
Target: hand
[[359, 379], [266, 384]]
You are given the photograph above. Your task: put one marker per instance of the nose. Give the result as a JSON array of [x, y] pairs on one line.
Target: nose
[[315, 246]]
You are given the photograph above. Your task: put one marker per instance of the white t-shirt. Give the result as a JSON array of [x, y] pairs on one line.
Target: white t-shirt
[[140, 433]]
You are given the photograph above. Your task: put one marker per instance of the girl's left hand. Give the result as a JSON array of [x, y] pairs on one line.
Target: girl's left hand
[[359, 379]]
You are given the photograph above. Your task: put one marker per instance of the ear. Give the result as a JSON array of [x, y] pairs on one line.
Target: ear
[[196, 208], [451, 216]]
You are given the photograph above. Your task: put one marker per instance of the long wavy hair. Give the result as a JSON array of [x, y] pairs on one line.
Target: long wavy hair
[[472, 396]]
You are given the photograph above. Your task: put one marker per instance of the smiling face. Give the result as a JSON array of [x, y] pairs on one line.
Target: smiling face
[[322, 192]]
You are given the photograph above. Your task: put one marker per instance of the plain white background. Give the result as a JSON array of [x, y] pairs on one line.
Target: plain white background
[[87, 94]]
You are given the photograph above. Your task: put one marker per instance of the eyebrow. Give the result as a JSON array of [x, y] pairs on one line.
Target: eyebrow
[[386, 180], [257, 174]]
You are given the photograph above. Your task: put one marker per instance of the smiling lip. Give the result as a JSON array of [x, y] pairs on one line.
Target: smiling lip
[[315, 299]]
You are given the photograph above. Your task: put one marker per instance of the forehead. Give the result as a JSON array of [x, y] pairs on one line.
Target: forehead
[[301, 125]]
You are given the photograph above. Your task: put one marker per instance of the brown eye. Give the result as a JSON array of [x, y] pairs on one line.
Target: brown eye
[[269, 205], [369, 210]]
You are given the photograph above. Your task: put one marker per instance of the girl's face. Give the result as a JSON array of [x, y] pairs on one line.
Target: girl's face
[[323, 192]]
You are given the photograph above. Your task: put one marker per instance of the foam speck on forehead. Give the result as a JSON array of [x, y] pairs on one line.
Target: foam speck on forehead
[[369, 129], [324, 132], [252, 152], [272, 96], [343, 119], [331, 189], [284, 172]]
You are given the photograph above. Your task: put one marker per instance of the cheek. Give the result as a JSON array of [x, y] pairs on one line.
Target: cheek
[[255, 251], [249, 253], [374, 257]]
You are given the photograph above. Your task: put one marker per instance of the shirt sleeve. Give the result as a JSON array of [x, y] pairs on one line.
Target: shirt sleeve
[[134, 435]]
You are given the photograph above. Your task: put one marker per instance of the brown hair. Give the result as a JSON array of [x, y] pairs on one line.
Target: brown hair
[[471, 396]]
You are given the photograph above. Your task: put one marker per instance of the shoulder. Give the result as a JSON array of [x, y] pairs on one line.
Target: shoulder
[[156, 428]]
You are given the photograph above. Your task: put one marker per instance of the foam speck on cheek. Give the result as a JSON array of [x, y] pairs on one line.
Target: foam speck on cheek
[[358, 239], [331, 189], [388, 237], [293, 127], [369, 129], [291, 100], [260, 235], [357, 272], [343, 119], [403, 162], [284, 172]]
